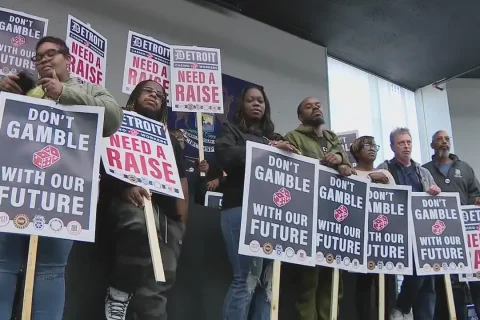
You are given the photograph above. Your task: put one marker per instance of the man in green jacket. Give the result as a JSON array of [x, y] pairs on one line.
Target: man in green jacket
[[310, 287]]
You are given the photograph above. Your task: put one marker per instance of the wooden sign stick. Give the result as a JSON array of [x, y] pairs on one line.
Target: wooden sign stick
[[30, 278], [335, 286], [381, 296], [275, 303], [201, 156], [450, 301], [153, 240]]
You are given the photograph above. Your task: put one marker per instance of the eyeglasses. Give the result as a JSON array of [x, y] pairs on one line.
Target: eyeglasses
[[374, 147], [158, 93], [49, 54]]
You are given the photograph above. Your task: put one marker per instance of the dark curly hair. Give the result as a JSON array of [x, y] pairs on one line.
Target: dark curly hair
[[266, 128], [133, 99]]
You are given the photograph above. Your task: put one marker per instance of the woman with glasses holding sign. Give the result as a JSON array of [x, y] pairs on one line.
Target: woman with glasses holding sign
[[251, 278], [364, 151], [52, 61]]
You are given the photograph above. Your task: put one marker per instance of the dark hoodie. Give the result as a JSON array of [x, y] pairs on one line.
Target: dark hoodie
[[460, 178], [230, 151]]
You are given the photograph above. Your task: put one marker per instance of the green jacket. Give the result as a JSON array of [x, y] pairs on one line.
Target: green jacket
[[306, 140], [78, 92]]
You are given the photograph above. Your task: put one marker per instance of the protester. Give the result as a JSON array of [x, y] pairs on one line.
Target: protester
[[453, 175], [310, 287], [364, 151], [198, 184], [52, 61], [251, 276], [133, 292], [416, 292]]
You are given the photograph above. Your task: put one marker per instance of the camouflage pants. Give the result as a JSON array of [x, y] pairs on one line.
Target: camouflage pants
[[132, 269]]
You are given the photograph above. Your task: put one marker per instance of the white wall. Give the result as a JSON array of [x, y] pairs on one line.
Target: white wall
[[433, 114], [289, 68], [464, 101]]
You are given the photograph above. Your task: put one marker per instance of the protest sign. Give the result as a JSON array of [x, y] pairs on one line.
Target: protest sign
[[346, 140], [470, 277], [141, 153], [389, 241], [50, 187], [19, 34], [196, 80], [341, 240], [213, 199], [146, 59], [439, 242], [471, 220], [186, 121], [279, 205], [88, 51]]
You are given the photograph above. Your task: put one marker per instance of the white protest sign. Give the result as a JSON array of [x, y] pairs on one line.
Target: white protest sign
[[88, 50], [146, 59], [440, 242], [19, 34], [341, 241], [141, 153], [196, 79], [279, 205], [50, 187]]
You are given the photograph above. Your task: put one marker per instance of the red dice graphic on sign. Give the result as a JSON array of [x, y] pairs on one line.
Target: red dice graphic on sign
[[380, 222], [438, 227], [341, 213], [281, 197], [17, 41], [46, 157]]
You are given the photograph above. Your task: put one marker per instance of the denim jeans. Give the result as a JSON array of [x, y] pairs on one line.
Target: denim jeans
[[417, 293], [49, 286], [249, 294]]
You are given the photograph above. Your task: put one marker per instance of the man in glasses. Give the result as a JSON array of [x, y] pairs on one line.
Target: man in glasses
[[454, 175], [416, 292], [310, 287]]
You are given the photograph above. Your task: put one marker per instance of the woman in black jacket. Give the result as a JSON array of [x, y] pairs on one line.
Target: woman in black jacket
[[251, 283]]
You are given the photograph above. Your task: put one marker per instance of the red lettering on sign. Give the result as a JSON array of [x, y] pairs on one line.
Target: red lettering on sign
[[476, 259], [473, 240], [161, 153], [137, 158], [134, 77], [191, 76], [198, 93], [86, 70]]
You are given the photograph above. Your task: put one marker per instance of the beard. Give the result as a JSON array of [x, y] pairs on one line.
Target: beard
[[149, 113], [442, 153], [314, 122]]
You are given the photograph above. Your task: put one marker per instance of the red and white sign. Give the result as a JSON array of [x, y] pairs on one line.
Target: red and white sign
[[88, 50], [471, 219], [146, 59], [141, 153], [196, 80]]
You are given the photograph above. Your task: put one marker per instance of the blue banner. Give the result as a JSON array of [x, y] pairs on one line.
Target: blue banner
[[212, 123]]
